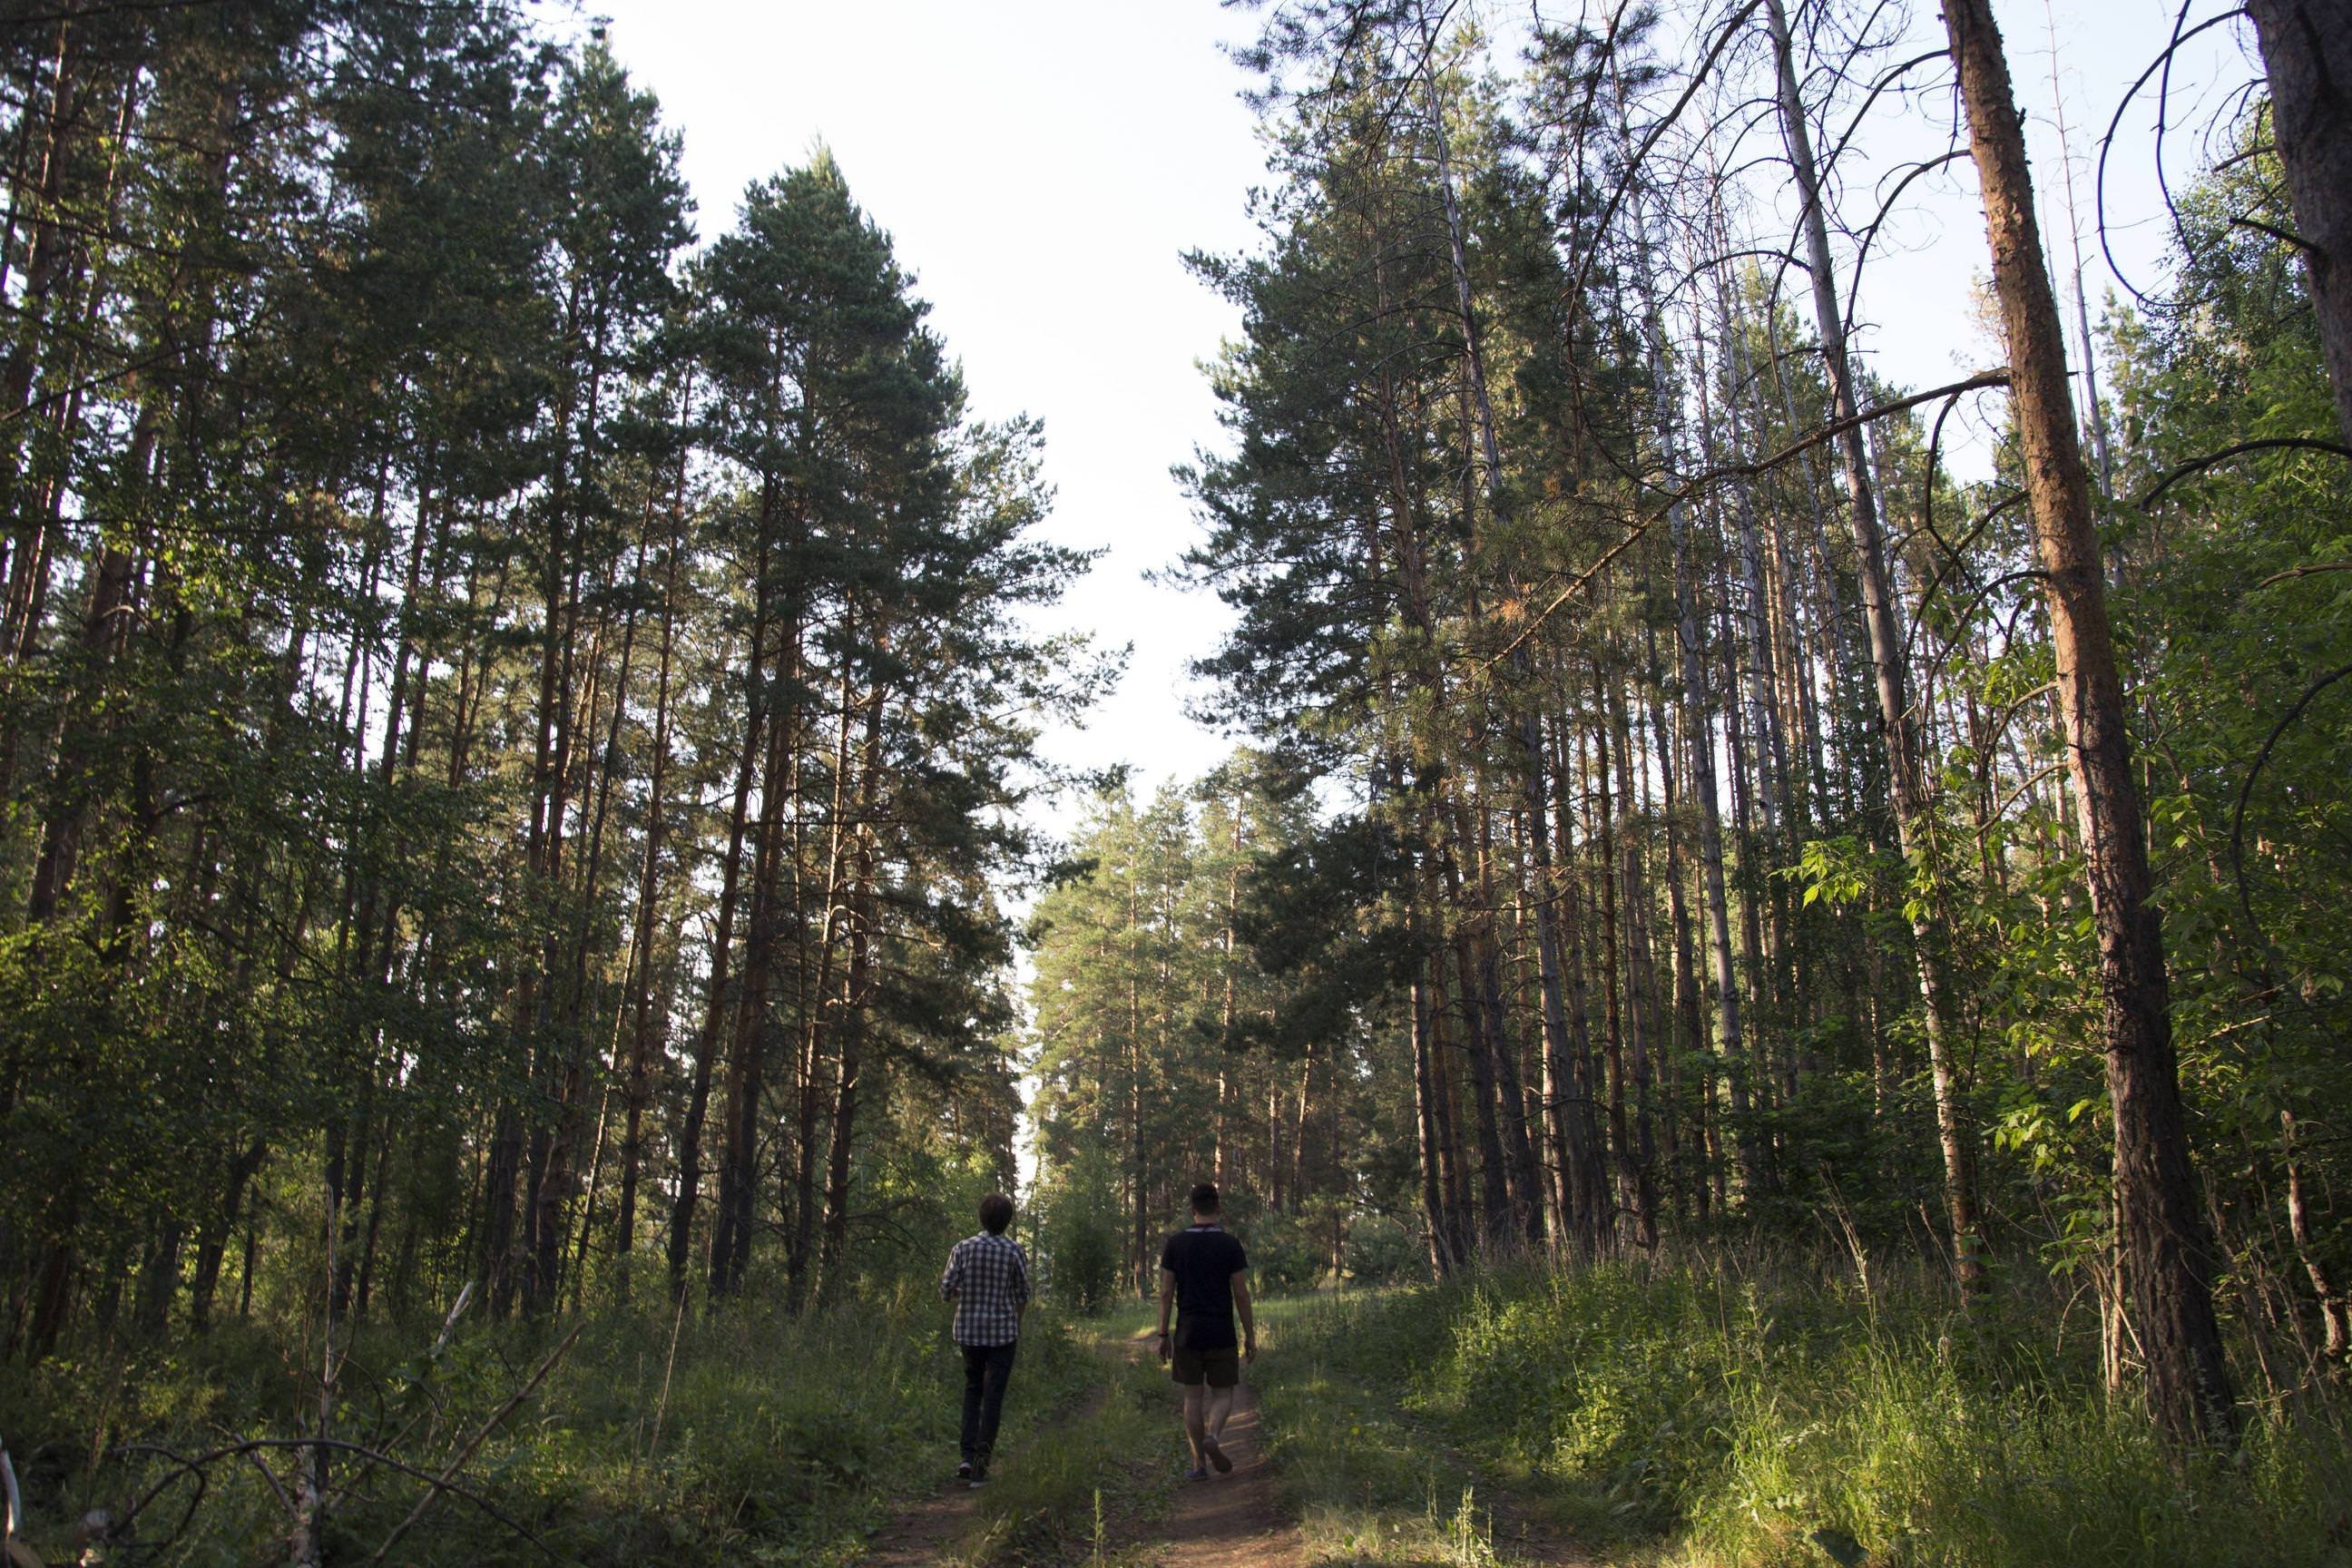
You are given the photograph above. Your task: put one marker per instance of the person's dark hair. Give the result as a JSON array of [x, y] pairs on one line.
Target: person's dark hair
[[995, 1213], [1205, 1198]]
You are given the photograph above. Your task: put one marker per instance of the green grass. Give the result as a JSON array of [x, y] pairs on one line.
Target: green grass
[[780, 1439], [1373, 1483], [1089, 1479], [1762, 1415]]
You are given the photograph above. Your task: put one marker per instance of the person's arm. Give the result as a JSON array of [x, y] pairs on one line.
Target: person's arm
[[1166, 1304], [952, 1280], [1249, 1318]]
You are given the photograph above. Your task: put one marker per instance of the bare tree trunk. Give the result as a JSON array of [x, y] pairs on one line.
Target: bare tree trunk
[[2335, 1313], [1588, 1173], [1638, 1158], [818, 995], [1481, 1030], [2168, 1254], [1615, 1009], [718, 1000], [858, 995], [1525, 1169], [1731, 1048], [636, 1092], [731, 1244], [1453, 1184], [1521, 721], [1424, 1104], [212, 1240], [1690, 1027], [1897, 721]]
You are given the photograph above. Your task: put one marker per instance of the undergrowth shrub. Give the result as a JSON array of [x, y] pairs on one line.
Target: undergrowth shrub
[[781, 1439], [1772, 1412], [1599, 1375]]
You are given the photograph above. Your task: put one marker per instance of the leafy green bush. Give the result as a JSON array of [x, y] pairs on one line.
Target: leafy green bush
[[1288, 1251], [1382, 1250], [1082, 1236]]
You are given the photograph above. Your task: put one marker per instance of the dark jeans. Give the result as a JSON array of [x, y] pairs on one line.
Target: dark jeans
[[986, 1370]]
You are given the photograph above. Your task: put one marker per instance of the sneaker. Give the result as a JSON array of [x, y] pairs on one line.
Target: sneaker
[[1217, 1455], [963, 1471], [1196, 1475], [979, 1479]]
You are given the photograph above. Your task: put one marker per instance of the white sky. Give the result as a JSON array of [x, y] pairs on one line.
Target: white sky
[[1043, 165]]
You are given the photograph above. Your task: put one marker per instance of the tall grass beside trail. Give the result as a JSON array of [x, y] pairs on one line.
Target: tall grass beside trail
[[780, 1439], [1766, 1412]]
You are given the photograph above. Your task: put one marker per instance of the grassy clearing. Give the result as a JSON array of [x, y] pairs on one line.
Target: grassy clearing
[[780, 1440], [1760, 1414]]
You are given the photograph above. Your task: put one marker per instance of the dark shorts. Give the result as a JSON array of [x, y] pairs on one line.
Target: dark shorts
[[1219, 1368]]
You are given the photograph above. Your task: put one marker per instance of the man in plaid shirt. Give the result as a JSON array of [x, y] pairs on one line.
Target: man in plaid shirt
[[987, 1277]]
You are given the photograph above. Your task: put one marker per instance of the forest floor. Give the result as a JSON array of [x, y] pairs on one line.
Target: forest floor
[[1126, 1434], [1096, 1485], [1233, 1520]]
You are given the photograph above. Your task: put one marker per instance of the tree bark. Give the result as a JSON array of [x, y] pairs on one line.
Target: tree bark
[[2308, 54], [717, 1002], [858, 994], [2168, 1254]]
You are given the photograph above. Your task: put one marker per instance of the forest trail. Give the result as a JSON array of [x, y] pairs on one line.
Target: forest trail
[[926, 1531], [1231, 1521], [921, 1535]]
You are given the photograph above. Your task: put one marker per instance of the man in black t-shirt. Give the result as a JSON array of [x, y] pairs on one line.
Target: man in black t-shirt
[[1202, 1275]]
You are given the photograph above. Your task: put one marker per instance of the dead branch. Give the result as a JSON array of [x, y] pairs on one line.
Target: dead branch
[[445, 1481], [1830, 431]]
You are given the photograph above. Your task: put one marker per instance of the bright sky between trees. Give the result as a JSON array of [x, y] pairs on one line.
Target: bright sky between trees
[[1044, 166]]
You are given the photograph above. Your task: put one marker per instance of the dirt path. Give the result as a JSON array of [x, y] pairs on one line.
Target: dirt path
[[926, 1527], [919, 1537], [1233, 1520]]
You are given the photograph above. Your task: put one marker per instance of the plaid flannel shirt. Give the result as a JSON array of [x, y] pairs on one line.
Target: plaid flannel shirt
[[988, 1279]]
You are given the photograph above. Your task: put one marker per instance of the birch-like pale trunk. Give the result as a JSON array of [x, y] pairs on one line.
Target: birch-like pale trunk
[[1897, 721]]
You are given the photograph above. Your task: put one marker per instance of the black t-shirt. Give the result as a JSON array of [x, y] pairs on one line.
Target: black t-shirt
[[1205, 1260]]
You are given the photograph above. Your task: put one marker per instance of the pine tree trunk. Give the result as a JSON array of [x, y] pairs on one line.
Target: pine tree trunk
[[2168, 1255], [1525, 1170], [1585, 1175], [855, 1001], [1690, 1024], [718, 1000], [1424, 1105], [636, 1090], [1637, 1159], [731, 1244], [1731, 1047], [2307, 53], [1524, 727], [1614, 1009]]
